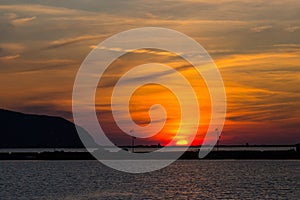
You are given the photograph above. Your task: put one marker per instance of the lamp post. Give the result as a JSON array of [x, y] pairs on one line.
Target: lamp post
[[132, 140], [219, 138]]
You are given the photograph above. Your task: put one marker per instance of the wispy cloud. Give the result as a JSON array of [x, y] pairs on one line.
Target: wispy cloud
[[258, 29], [68, 41], [292, 29], [137, 51], [12, 47], [21, 21], [37, 9], [10, 51], [253, 59], [45, 65], [11, 57], [287, 45], [256, 50]]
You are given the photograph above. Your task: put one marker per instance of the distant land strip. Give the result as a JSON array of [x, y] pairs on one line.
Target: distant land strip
[[188, 155]]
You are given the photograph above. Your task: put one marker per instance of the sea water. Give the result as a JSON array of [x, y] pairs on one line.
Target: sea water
[[191, 179]]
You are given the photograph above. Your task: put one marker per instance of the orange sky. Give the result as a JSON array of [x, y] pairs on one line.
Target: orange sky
[[255, 45], [147, 95]]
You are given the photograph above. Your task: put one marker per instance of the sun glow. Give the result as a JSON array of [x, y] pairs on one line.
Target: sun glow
[[145, 96], [182, 142]]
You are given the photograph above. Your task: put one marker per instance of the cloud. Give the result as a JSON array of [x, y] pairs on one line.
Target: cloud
[[254, 59], [11, 57], [137, 51], [10, 51], [37, 9], [22, 21], [68, 41], [262, 87], [10, 15], [12, 47], [292, 29], [268, 108], [220, 51], [35, 66], [287, 45], [45, 65], [261, 71], [258, 29]]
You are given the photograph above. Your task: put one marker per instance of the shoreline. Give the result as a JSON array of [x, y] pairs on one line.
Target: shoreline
[[188, 155]]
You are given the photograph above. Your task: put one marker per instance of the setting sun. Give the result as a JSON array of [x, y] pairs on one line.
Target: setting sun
[[182, 142]]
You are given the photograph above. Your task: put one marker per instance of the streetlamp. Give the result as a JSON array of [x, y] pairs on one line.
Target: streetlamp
[[219, 138], [132, 140]]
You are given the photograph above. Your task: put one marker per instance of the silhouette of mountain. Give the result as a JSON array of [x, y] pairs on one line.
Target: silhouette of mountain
[[19, 130]]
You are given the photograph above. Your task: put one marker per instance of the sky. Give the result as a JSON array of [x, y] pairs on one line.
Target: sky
[[254, 43]]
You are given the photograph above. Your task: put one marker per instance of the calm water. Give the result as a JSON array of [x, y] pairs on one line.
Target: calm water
[[181, 180]]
